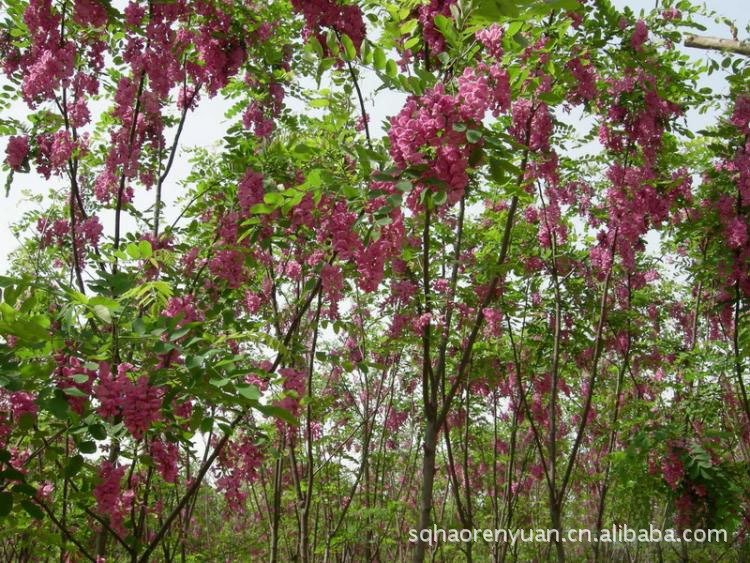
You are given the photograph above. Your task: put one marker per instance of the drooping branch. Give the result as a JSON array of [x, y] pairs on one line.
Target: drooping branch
[[717, 44]]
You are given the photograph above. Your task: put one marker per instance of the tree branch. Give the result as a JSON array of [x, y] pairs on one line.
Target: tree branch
[[717, 44]]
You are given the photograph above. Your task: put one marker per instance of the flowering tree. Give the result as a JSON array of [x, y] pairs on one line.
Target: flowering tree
[[521, 303]]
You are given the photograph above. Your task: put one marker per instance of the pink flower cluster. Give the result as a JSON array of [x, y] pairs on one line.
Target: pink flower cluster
[[228, 265], [259, 115], [428, 129], [54, 151], [532, 124], [426, 14], [253, 302], [491, 39], [88, 232], [395, 420], [483, 88], [337, 226], [741, 115], [640, 35], [294, 381], [89, 13], [371, 258], [346, 19], [250, 190], [23, 403], [238, 465], [17, 151], [138, 402], [672, 469], [70, 369], [141, 406], [165, 455], [109, 499], [185, 308], [49, 60], [585, 75], [635, 204]]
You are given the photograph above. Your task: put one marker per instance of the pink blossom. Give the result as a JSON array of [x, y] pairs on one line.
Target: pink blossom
[[89, 12], [532, 126], [165, 456], [17, 151], [585, 75], [741, 115], [640, 35], [69, 368], [345, 19], [91, 230], [134, 13], [736, 231], [22, 403], [672, 469], [671, 14], [185, 308], [491, 38], [253, 302], [110, 501], [110, 390], [62, 148], [293, 269], [427, 13], [141, 406], [229, 266]]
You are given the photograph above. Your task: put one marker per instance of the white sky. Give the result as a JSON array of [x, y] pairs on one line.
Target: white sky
[[206, 126]]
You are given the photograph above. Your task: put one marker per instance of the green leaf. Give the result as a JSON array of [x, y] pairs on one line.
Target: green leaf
[[249, 392], [260, 209], [32, 509], [391, 69], [379, 59], [315, 46], [176, 335], [145, 249], [133, 250], [277, 412], [473, 136], [98, 432], [445, 25], [74, 466], [219, 382], [11, 474], [87, 447], [497, 172], [58, 407], [350, 52], [103, 313], [274, 199], [24, 489], [6, 504], [404, 186]]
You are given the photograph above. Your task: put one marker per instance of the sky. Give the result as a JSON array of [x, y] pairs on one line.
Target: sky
[[207, 125]]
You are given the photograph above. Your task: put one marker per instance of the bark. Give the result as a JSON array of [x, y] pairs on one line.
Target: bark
[[717, 44], [428, 480]]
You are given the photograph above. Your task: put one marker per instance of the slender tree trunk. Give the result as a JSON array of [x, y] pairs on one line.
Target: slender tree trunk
[[428, 480], [277, 474]]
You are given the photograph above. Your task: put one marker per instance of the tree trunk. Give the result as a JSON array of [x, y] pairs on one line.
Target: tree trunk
[[428, 480]]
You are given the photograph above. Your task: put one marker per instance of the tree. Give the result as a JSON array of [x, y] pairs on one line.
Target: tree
[[520, 303]]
